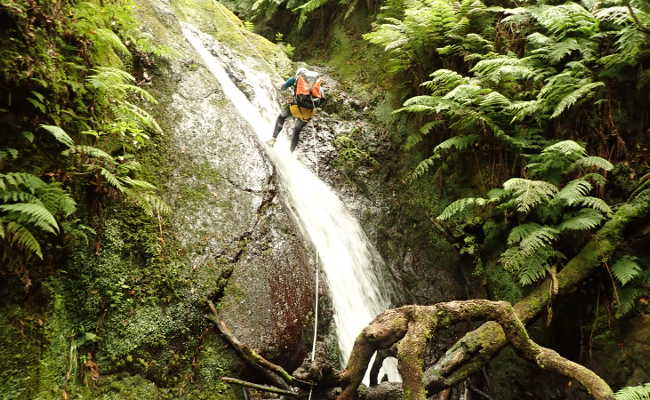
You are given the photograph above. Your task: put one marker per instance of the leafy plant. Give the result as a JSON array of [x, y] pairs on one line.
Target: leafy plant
[[29, 212], [545, 209]]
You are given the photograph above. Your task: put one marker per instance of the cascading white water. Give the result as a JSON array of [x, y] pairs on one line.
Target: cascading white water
[[345, 253]]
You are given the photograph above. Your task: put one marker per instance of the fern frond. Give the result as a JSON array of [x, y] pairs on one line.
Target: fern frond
[[641, 392], [627, 299], [584, 219], [539, 238], [618, 15], [576, 95], [56, 199], [8, 153], [461, 206], [113, 180], [18, 196], [144, 118], [423, 167], [523, 109], [458, 143], [29, 181], [574, 191], [150, 203], [625, 269], [59, 134], [444, 80], [109, 37], [89, 151], [529, 193], [521, 231], [499, 68], [592, 162], [138, 184], [596, 204], [495, 99], [566, 147], [21, 236], [34, 214], [596, 178]]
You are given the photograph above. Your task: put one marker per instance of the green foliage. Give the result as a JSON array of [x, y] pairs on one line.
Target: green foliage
[[545, 213], [512, 80], [64, 86], [29, 209], [641, 392]]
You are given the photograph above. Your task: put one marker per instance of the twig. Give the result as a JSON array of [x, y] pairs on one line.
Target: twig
[[265, 388], [638, 23], [482, 393], [275, 373]]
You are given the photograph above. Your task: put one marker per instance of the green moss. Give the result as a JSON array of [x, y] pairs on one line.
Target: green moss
[[19, 349], [215, 19], [502, 284]]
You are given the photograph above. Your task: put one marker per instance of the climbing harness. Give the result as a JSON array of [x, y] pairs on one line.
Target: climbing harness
[[302, 113]]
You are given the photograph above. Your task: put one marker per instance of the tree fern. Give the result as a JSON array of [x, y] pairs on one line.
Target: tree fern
[[574, 191], [596, 204], [592, 162], [521, 231], [578, 94]]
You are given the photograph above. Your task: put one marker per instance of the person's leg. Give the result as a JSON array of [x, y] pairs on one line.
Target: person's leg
[[280, 121], [296, 132]]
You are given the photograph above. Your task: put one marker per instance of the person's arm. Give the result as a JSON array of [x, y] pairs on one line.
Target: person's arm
[[290, 82]]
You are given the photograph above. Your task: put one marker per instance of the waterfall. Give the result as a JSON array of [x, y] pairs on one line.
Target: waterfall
[[345, 253]]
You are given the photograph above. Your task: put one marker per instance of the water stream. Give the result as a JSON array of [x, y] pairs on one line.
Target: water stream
[[345, 253]]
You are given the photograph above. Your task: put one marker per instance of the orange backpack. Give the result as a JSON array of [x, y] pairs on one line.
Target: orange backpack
[[307, 92]]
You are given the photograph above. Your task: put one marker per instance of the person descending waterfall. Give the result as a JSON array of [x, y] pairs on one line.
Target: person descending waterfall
[[307, 95]]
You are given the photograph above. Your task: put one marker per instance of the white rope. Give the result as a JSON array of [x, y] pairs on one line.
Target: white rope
[[313, 346]]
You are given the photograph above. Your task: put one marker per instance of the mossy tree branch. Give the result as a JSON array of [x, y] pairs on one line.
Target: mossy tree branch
[[477, 347], [411, 327]]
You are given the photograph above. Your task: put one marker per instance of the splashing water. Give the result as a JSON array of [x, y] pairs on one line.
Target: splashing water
[[345, 253]]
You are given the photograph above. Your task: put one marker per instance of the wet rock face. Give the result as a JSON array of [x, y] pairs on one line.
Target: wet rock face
[[226, 211]]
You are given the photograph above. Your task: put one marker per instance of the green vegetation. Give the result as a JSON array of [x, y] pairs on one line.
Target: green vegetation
[[94, 301], [519, 133], [517, 128]]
